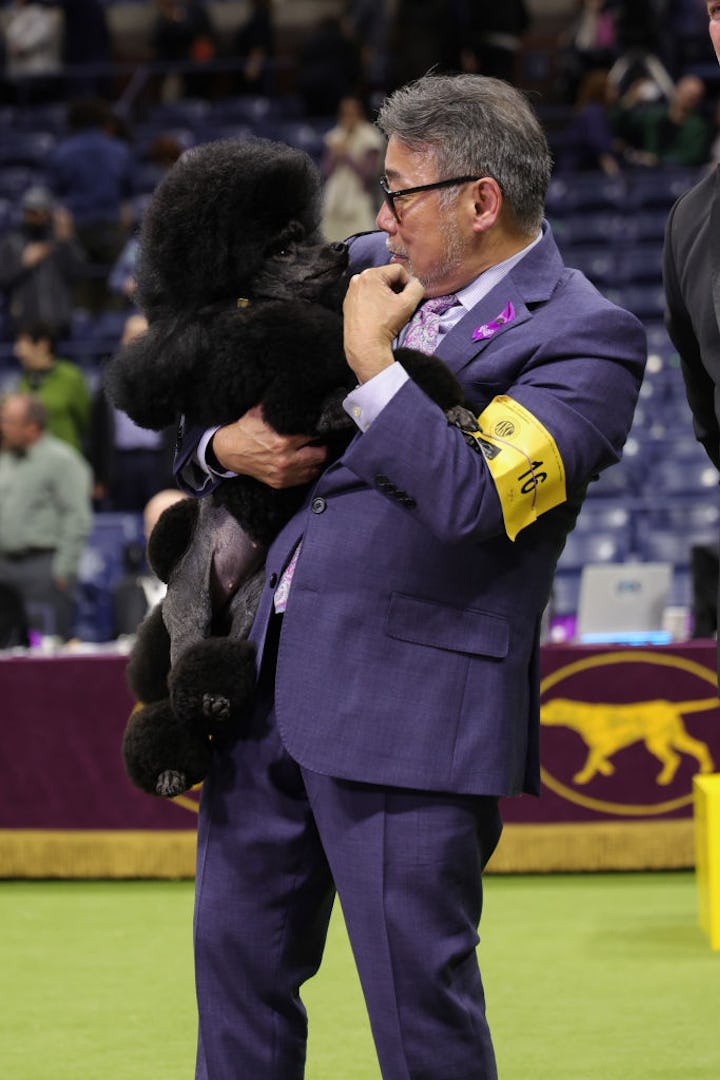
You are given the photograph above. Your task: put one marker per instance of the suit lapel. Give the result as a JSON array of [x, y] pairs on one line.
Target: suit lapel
[[483, 324]]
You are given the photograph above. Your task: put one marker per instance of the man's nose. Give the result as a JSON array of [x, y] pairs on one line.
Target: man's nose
[[385, 219]]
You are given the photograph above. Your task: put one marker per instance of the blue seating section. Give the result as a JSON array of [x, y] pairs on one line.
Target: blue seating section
[[663, 496], [101, 567]]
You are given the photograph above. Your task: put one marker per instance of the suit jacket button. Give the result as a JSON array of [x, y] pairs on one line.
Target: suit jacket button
[[272, 581], [318, 505]]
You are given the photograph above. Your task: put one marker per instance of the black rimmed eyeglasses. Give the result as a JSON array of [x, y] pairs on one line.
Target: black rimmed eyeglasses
[[391, 196]]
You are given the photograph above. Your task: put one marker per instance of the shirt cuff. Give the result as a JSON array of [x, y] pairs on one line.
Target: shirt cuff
[[365, 402], [201, 450]]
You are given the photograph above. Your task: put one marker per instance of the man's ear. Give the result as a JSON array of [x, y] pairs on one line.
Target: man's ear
[[488, 202]]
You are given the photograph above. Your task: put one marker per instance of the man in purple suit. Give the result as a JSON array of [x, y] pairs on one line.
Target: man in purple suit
[[398, 630]]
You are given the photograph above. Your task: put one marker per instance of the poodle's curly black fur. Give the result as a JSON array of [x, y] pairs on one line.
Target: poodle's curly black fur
[[243, 300]]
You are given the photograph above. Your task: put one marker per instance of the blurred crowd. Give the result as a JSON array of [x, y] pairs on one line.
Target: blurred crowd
[[621, 80]]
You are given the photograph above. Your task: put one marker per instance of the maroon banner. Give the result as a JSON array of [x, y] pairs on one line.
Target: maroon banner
[[623, 732], [63, 719]]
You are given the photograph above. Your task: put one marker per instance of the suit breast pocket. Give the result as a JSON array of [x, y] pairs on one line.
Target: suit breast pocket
[[462, 630]]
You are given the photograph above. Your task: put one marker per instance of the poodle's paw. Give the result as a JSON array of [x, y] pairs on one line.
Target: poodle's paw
[[171, 783], [216, 707], [212, 686]]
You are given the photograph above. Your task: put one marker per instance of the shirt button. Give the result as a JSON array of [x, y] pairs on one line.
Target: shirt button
[[318, 505], [272, 582], [357, 412]]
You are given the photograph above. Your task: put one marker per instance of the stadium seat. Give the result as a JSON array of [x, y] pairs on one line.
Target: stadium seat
[[101, 566], [572, 192], [658, 545], [591, 227], [26, 148], [185, 113], [684, 477], [16, 179], [638, 262], [645, 300], [594, 547], [659, 187], [597, 262]]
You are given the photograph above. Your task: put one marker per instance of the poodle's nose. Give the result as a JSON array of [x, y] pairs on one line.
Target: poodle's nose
[[339, 247]]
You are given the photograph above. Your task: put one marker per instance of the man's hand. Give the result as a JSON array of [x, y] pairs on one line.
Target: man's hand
[[34, 253], [63, 225], [251, 447], [378, 303]]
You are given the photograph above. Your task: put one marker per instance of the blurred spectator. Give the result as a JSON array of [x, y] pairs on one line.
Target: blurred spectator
[[677, 133], [130, 464], [151, 165], [183, 33], [14, 630], [640, 53], [491, 35], [86, 40], [58, 384], [368, 23], [588, 143], [588, 44], [45, 514], [39, 263], [424, 34], [254, 44], [351, 167], [139, 590], [90, 172], [121, 281], [329, 67], [32, 41]]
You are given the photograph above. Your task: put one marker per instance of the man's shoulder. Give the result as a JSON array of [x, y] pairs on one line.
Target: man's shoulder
[[61, 452]]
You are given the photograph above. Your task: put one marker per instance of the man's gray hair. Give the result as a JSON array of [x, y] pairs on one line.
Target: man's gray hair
[[473, 124]]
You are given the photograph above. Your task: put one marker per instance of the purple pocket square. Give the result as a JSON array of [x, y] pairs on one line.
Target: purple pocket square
[[488, 329]]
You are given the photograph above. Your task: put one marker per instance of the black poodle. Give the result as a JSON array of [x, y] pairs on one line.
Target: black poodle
[[243, 300]]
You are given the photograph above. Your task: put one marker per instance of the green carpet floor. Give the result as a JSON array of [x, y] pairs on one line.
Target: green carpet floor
[[594, 977]]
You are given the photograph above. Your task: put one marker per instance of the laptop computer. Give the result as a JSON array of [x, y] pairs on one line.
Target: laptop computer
[[623, 603]]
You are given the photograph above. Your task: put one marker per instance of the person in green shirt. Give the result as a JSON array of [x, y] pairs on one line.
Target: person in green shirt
[[59, 384]]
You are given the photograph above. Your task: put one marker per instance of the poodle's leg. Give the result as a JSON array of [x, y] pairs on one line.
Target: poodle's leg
[[212, 685], [149, 660], [161, 755]]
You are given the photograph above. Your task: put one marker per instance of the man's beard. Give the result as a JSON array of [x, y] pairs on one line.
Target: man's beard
[[455, 248]]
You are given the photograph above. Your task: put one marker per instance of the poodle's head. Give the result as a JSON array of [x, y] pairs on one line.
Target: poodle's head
[[221, 212]]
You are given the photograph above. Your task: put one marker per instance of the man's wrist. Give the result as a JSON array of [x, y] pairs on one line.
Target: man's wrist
[[211, 459], [206, 457]]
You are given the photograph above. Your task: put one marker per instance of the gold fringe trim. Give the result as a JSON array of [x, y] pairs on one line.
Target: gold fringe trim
[[626, 845], [523, 849], [141, 853]]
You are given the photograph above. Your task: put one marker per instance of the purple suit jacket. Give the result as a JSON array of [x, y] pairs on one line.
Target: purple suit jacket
[[409, 653]]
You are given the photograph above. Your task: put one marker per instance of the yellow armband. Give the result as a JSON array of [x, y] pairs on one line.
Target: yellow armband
[[523, 460]]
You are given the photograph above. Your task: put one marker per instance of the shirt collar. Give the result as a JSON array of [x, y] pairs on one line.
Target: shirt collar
[[473, 293]]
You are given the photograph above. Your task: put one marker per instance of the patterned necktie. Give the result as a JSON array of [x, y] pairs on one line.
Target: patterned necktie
[[422, 330]]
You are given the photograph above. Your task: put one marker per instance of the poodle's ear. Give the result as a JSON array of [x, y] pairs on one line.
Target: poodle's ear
[[149, 660], [159, 374], [171, 536]]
